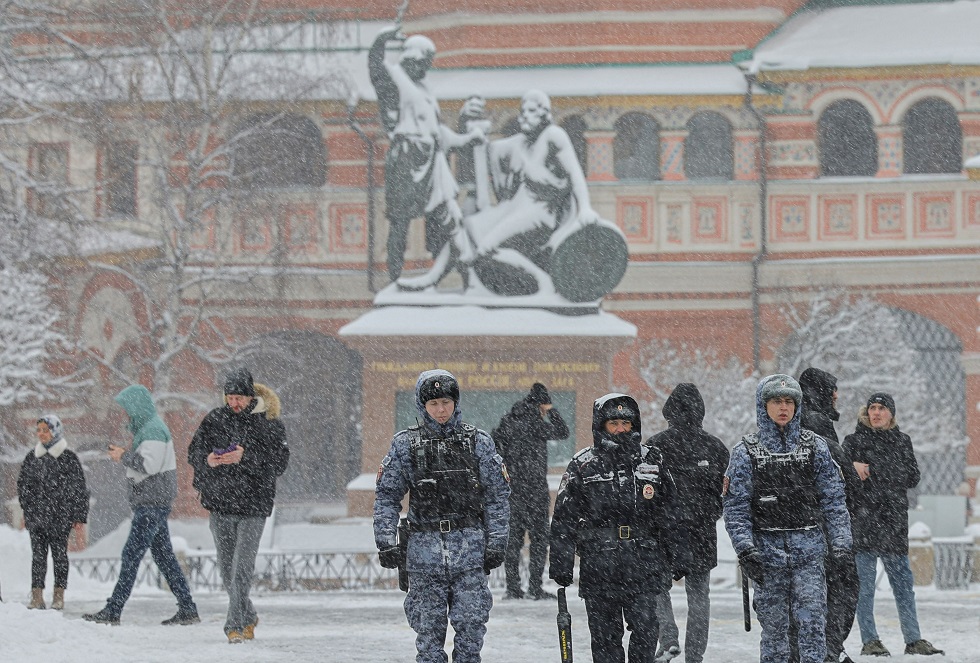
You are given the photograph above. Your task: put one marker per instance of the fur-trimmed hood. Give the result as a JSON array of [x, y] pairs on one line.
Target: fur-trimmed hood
[[866, 421], [266, 401]]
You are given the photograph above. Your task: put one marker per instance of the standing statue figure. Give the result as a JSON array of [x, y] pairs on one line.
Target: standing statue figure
[[418, 179], [543, 202]]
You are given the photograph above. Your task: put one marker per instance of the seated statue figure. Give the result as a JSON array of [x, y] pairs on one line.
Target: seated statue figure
[[521, 245]]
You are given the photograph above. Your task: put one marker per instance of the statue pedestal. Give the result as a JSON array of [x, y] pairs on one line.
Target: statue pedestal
[[495, 354]]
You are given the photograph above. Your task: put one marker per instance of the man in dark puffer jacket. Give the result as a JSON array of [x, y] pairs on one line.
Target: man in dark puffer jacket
[[237, 454], [886, 465]]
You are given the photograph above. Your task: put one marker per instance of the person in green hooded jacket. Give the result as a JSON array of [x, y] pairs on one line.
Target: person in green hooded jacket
[[151, 468]]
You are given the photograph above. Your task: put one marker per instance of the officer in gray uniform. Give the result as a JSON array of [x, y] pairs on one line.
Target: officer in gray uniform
[[458, 514], [781, 489]]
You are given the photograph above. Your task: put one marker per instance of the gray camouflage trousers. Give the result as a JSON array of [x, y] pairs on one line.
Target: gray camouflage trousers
[[798, 593], [434, 600]]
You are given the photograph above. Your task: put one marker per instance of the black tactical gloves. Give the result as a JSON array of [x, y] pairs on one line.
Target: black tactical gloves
[[492, 559], [752, 564], [391, 558]]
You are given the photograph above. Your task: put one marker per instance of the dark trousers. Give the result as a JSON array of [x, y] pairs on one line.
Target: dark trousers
[[606, 615], [236, 539], [698, 586], [532, 519], [57, 541], [842, 599], [149, 531]]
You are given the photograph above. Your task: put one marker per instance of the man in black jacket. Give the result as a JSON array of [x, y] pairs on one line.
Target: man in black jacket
[[616, 509], [697, 461], [522, 437], [237, 453], [886, 465], [819, 414]]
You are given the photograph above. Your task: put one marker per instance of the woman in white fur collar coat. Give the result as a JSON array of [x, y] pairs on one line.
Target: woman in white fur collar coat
[[52, 492]]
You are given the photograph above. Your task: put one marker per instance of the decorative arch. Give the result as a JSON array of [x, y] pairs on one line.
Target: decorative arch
[[910, 98], [318, 380], [932, 138], [277, 150], [820, 102], [846, 139], [636, 148], [709, 150]]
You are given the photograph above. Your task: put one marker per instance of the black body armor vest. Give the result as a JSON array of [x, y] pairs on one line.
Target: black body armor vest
[[447, 493], [784, 486]]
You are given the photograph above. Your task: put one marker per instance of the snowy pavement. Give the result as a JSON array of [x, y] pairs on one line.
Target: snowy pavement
[[370, 626], [356, 627]]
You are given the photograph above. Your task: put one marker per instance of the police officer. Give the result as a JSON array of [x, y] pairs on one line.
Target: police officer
[[616, 510], [458, 514], [782, 488]]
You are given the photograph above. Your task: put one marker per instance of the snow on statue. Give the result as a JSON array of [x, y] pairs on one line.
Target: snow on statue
[[543, 236]]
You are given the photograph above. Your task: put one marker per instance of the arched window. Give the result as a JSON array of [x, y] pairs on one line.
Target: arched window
[[848, 144], [636, 148], [708, 150], [575, 127], [273, 150], [932, 138]]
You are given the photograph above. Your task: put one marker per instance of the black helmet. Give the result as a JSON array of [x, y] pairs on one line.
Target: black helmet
[[614, 406], [441, 385]]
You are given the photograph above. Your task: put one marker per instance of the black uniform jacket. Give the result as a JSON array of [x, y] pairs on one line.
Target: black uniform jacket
[[618, 512]]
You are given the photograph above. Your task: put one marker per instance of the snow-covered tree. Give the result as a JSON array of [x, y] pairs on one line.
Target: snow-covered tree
[[38, 210], [183, 116], [727, 386], [857, 338], [867, 346]]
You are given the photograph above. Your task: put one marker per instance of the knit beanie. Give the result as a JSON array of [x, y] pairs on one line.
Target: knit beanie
[[539, 394], [881, 398], [54, 425], [239, 382]]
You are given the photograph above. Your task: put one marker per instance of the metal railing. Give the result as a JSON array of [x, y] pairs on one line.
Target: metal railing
[[274, 571], [292, 571]]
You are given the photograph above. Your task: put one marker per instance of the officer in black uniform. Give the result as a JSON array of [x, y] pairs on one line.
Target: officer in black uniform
[[616, 510], [458, 515]]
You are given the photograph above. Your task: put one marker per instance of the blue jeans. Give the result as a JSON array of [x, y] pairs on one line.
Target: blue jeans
[[149, 531], [900, 578]]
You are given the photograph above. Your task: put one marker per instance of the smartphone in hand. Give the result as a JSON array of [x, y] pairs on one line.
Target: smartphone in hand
[[229, 449]]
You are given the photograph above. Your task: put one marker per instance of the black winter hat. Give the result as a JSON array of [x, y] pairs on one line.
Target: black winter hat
[[439, 386], [881, 398], [539, 394], [240, 383]]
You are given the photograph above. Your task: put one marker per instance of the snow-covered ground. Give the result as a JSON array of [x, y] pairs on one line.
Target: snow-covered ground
[[358, 627]]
